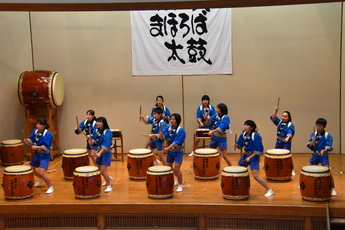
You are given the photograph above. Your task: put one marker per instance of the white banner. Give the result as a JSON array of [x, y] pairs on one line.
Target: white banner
[[181, 42]]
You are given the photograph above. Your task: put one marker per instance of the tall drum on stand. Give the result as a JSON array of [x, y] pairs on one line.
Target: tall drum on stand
[[42, 92]]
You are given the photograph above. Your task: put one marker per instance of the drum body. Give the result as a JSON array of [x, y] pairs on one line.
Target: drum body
[[138, 162], [18, 182], [40, 88], [278, 164], [116, 133], [315, 183], [206, 163], [12, 152], [160, 182], [72, 159], [202, 133], [87, 182], [235, 183]]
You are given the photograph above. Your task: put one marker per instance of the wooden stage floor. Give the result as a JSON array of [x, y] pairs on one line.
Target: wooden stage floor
[[199, 206]]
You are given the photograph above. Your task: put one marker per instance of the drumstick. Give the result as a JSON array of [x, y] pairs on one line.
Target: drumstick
[[140, 113], [145, 135], [23, 133], [76, 119], [278, 101], [235, 142], [51, 171]]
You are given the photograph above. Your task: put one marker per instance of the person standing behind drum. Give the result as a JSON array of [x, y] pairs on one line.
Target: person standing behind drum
[[159, 104], [41, 141], [320, 142], [203, 113], [89, 125], [176, 135], [285, 130], [102, 137], [221, 123], [158, 125], [251, 141]]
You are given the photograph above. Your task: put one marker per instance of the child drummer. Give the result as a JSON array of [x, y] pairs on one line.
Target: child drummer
[[320, 142], [251, 141]]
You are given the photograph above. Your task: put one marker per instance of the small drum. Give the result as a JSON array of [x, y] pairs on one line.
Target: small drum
[[278, 164], [202, 134], [116, 133], [235, 183], [160, 182], [316, 183], [138, 161], [87, 182], [72, 159], [18, 182], [206, 163], [40, 88], [12, 152]]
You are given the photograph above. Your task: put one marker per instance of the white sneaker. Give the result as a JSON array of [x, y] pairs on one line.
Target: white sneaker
[[334, 192], [191, 154], [293, 173], [39, 182], [175, 183], [157, 162], [50, 190], [105, 183], [108, 189], [179, 188], [269, 193]]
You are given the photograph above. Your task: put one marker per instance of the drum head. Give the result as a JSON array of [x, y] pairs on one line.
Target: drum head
[[206, 151], [75, 151], [115, 130], [235, 169], [139, 151], [315, 169], [159, 169], [57, 90], [11, 142], [278, 152], [18, 169], [86, 169]]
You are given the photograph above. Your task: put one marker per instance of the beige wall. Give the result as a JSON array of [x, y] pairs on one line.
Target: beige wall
[[291, 52]]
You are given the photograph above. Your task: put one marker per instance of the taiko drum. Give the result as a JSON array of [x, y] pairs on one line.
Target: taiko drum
[[87, 182], [206, 163], [40, 88], [160, 182], [12, 152], [116, 133], [315, 183], [18, 182], [72, 159], [278, 164], [202, 134], [138, 162], [235, 183]]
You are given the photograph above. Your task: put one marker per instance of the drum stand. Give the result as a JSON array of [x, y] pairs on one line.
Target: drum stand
[[120, 145], [51, 115], [203, 139]]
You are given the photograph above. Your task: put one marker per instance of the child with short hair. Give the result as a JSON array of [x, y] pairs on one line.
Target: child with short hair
[[158, 125], [320, 142]]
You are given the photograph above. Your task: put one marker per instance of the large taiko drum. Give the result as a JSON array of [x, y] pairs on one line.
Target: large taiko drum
[[235, 183], [278, 164], [116, 133], [138, 162], [202, 134], [87, 182], [40, 88], [160, 182], [18, 182], [316, 183], [206, 163], [12, 152], [72, 159]]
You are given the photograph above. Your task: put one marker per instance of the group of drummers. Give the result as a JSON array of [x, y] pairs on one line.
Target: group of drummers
[[214, 123]]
